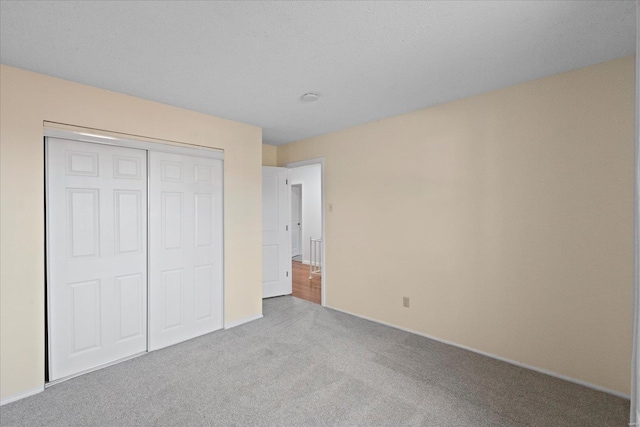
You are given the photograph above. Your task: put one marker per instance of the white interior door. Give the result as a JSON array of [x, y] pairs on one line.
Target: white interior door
[[296, 220], [185, 245], [97, 254], [276, 240]]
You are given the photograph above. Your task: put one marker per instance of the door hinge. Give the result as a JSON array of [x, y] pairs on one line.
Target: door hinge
[[286, 228], [287, 274], [286, 182]]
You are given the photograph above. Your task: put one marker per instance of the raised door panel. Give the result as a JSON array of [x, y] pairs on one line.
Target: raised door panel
[[127, 167], [204, 295], [172, 290], [83, 222], [203, 220], [85, 316], [130, 306], [204, 174], [128, 221], [172, 220], [172, 171], [82, 163]]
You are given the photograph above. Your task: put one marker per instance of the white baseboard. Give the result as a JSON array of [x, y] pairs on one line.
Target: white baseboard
[[493, 356], [234, 323], [21, 395]]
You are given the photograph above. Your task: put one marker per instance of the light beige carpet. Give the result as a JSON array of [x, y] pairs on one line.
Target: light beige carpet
[[303, 364]]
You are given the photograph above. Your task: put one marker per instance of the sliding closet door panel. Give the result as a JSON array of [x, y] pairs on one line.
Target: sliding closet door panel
[[185, 269], [97, 254]]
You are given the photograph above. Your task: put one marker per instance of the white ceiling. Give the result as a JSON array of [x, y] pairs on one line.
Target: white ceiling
[[252, 61]]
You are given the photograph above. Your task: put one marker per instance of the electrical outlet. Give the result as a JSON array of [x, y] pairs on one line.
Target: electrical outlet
[[405, 302]]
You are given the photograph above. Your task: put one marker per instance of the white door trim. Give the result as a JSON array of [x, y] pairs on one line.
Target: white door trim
[[213, 153], [309, 162]]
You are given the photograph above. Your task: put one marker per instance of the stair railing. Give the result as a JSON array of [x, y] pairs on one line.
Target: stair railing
[[315, 257]]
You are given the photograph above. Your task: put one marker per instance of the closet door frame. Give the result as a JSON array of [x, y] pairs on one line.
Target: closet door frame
[[187, 150], [97, 138]]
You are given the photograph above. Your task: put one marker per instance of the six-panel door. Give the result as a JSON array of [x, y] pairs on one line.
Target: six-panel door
[[97, 254], [185, 247]]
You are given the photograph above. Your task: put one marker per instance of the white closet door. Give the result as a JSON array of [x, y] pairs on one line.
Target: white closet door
[[185, 247], [97, 254], [276, 237]]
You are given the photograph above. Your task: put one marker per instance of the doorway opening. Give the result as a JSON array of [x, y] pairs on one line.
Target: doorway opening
[[307, 230], [296, 222]]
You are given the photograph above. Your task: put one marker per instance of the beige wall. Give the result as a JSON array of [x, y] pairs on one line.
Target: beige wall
[[27, 100], [269, 155], [505, 217]]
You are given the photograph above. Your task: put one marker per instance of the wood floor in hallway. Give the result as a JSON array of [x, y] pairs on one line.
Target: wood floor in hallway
[[303, 287]]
